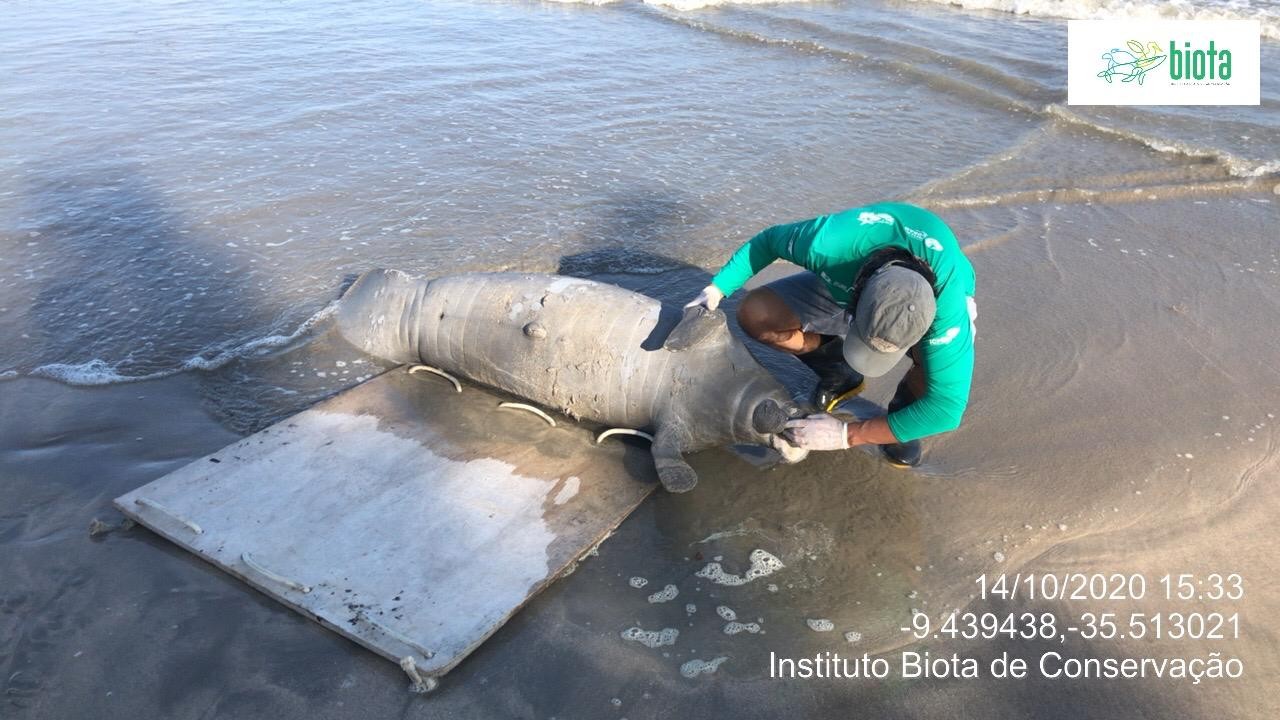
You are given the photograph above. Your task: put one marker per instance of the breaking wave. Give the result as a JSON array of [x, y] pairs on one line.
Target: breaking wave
[[1266, 13], [100, 372], [682, 4], [1235, 165]]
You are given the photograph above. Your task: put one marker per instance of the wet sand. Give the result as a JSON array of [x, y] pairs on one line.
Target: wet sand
[[1123, 422], [1124, 415]]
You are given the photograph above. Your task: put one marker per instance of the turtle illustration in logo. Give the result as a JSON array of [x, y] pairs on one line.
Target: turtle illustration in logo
[[1133, 63]]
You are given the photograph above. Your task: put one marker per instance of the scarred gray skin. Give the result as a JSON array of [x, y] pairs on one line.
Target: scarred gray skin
[[587, 349]]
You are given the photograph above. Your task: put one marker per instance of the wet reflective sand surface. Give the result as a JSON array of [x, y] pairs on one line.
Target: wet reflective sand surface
[[184, 189]]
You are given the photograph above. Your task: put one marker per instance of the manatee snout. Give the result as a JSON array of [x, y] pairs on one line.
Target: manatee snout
[[769, 418]]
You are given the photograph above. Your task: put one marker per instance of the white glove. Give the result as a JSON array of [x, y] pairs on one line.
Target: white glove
[[790, 453], [818, 432], [709, 298]]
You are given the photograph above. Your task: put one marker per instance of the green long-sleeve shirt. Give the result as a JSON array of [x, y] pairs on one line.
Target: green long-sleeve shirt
[[834, 247]]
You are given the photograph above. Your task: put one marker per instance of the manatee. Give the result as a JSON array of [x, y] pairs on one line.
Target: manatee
[[590, 350]]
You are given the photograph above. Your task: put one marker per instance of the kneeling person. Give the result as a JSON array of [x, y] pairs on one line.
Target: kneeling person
[[883, 281]]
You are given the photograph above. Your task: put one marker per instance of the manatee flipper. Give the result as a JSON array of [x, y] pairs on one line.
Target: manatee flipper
[[668, 445], [697, 325]]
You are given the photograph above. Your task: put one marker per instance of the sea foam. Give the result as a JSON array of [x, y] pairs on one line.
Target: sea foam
[[763, 564], [1268, 17], [695, 667], [651, 638], [100, 372]]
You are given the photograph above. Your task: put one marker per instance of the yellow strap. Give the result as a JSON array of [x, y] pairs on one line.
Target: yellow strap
[[835, 402]]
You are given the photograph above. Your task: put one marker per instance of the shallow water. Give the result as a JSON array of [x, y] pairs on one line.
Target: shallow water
[[183, 180], [185, 187]]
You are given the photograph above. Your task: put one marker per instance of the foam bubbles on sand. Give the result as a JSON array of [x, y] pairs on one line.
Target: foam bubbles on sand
[[763, 564], [820, 625], [637, 582], [734, 628], [691, 608], [852, 636], [666, 594], [694, 668], [651, 638]]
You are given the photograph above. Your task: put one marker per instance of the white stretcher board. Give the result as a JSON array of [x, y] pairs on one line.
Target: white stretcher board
[[408, 517]]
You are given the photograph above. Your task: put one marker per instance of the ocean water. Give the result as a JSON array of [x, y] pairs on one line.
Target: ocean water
[[1267, 12], [186, 187], [187, 184]]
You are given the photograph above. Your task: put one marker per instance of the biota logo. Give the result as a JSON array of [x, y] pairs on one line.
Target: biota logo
[[1132, 63], [1188, 64], [1163, 62]]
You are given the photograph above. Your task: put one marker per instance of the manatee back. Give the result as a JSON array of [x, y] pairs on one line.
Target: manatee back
[[586, 348]]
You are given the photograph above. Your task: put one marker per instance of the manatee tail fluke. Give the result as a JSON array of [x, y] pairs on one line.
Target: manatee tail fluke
[[378, 314]]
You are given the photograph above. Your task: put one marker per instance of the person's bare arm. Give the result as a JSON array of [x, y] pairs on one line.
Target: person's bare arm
[[870, 432], [823, 431]]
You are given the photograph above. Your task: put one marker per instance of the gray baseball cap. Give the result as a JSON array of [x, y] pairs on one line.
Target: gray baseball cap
[[894, 311]]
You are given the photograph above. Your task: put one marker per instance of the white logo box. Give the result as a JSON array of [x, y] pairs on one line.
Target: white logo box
[[1141, 74]]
